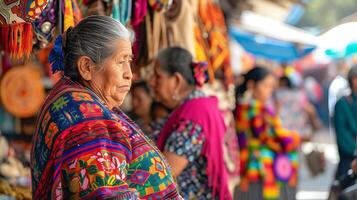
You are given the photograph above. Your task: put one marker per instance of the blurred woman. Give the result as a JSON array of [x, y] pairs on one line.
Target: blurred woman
[[159, 114], [268, 155], [141, 102], [296, 110], [192, 137]]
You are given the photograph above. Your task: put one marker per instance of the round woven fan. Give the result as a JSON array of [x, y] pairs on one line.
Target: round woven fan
[[22, 92]]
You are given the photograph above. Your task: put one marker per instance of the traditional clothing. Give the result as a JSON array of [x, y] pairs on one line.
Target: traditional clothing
[[195, 130], [268, 153], [83, 150]]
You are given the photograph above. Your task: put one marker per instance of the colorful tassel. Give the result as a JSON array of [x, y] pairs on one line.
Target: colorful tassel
[[16, 39], [27, 39]]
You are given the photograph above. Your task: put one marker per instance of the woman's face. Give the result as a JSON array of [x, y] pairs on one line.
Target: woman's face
[[141, 102], [113, 81], [164, 86], [263, 90]]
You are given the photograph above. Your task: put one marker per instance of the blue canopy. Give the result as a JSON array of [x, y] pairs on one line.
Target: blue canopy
[[270, 48]]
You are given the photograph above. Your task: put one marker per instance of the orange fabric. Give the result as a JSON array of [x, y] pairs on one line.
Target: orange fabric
[[212, 39], [68, 15], [16, 39]]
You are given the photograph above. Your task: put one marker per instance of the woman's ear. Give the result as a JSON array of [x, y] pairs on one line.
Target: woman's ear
[[85, 67], [178, 81]]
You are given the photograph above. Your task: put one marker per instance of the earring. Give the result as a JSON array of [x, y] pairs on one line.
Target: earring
[[176, 96]]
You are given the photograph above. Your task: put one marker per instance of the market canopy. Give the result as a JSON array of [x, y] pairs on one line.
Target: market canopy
[[270, 48], [340, 41], [271, 39]]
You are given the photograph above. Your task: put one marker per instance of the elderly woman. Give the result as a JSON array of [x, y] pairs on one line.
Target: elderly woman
[[192, 138], [85, 147]]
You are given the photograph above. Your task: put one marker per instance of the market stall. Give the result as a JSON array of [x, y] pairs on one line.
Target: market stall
[[28, 29]]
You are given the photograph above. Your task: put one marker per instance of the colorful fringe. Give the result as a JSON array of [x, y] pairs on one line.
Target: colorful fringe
[[16, 39]]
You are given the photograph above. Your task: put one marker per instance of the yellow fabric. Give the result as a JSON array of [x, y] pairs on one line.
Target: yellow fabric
[[68, 14]]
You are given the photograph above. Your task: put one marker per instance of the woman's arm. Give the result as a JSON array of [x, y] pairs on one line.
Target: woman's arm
[[177, 163], [184, 145]]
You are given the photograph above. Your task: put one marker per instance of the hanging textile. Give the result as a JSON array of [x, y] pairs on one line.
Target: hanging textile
[[68, 15], [121, 10], [179, 21], [159, 5], [212, 39], [139, 12], [44, 26], [77, 14], [156, 35], [15, 25], [137, 22]]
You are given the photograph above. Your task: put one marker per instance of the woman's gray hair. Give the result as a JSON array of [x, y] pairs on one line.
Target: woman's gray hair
[[94, 37]]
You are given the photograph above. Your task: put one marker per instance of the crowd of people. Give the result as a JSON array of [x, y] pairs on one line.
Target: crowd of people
[[172, 144]]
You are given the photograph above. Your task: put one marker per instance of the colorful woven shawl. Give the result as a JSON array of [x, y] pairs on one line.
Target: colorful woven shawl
[[268, 152], [204, 111], [82, 150]]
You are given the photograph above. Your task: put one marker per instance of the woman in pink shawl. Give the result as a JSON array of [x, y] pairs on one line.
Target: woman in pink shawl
[[192, 137]]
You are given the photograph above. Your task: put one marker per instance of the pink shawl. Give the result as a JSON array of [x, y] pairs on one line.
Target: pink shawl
[[205, 112]]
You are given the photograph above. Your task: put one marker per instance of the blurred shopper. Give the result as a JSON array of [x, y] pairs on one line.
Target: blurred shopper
[[159, 114], [345, 123], [141, 103], [293, 106], [268, 153], [192, 137]]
